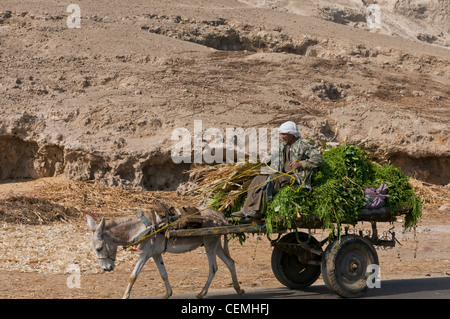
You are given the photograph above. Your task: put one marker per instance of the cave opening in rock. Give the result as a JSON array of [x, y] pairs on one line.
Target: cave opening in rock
[[430, 169], [164, 177]]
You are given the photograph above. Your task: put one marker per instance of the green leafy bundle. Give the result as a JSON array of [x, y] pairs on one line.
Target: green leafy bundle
[[337, 194], [401, 192]]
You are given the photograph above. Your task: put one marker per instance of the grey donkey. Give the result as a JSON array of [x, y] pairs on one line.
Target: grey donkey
[[108, 235]]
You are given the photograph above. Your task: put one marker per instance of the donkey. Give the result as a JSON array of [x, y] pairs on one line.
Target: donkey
[[122, 231]]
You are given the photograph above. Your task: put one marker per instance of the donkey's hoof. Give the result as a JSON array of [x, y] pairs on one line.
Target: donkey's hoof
[[200, 296], [241, 292]]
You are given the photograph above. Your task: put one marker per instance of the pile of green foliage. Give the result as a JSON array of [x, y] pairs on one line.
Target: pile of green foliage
[[337, 194]]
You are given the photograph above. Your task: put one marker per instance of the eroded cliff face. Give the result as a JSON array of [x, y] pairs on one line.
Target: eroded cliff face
[[417, 20], [30, 159], [23, 159], [101, 102]]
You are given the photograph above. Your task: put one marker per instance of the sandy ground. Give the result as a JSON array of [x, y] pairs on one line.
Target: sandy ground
[[38, 261]]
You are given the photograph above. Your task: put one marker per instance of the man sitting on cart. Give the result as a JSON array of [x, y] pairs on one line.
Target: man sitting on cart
[[297, 159]]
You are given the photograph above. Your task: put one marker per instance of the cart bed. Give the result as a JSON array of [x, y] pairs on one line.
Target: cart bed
[[382, 214]]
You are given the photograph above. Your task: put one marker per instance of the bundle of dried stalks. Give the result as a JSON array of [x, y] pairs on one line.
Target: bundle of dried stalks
[[228, 182]]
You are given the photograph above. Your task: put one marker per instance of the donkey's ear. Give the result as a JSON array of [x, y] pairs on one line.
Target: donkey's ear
[[101, 226], [91, 222]]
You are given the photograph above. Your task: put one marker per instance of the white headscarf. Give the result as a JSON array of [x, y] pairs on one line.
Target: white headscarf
[[289, 127]]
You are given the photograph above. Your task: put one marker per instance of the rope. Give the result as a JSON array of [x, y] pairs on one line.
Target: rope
[[292, 180]]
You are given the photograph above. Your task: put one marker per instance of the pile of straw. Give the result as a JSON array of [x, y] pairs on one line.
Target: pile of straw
[[61, 199], [34, 211]]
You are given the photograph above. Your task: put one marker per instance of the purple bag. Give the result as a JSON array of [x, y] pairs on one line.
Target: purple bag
[[375, 196]]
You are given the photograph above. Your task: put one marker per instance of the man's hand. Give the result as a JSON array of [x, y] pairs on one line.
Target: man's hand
[[295, 165]]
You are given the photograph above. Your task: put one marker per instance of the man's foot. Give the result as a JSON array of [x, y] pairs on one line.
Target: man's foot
[[254, 214], [242, 213]]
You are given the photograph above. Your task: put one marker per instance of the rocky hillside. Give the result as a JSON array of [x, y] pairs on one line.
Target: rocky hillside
[[100, 102]]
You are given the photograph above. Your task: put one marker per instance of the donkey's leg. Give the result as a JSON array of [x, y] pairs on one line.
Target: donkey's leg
[[162, 271], [143, 257], [211, 245], [224, 255]]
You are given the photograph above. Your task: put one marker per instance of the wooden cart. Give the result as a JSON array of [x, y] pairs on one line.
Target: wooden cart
[[298, 258]]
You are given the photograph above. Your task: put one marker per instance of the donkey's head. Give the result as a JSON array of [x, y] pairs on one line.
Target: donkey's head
[[104, 246]]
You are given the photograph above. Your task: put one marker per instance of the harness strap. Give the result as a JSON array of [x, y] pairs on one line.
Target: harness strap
[[152, 227], [145, 221], [148, 226], [169, 218]]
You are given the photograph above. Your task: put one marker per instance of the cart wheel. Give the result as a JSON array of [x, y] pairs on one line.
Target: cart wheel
[[287, 267], [344, 265]]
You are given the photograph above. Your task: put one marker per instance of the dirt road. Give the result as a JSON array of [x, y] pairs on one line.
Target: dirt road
[[418, 288]]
